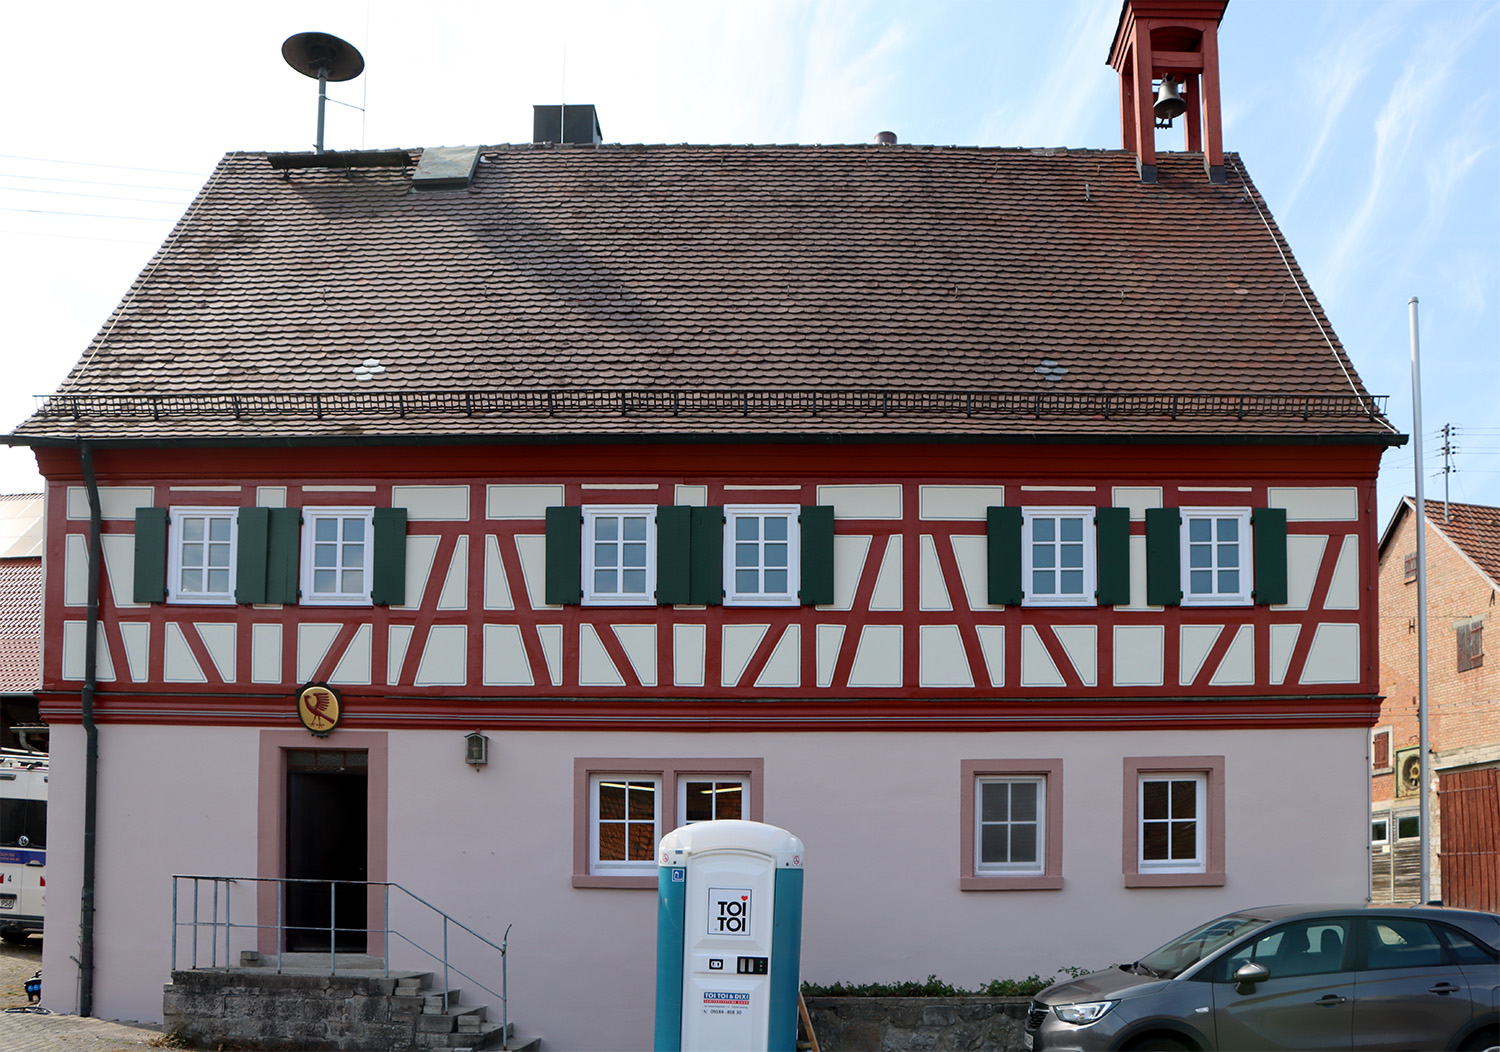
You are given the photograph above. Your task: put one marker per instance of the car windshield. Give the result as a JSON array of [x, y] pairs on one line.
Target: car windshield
[[1187, 950]]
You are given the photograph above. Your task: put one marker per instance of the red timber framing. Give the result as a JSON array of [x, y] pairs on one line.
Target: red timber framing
[[823, 697]]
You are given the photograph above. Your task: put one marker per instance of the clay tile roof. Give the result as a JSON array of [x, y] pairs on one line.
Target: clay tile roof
[[20, 625], [649, 290], [1474, 529]]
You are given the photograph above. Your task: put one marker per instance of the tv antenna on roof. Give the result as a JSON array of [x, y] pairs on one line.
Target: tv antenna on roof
[[323, 57]]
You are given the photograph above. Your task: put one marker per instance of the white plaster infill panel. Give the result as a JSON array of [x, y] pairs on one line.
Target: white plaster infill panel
[[1283, 642], [398, 642], [958, 503], [1138, 577], [75, 634], [219, 641], [421, 551], [265, 653], [739, 646], [689, 654], [1081, 644], [943, 660], [1137, 499], [1304, 554], [313, 643], [551, 638], [445, 658], [521, 502], [889, 592], [1139, 655], [76, 570], [119, 568], [496, 584], [505, 663], [830, 638], [136, 636], [849, 555], [784, 667], [353, 668], [1333, 656], [1037, 666], [1238, 667], [1343, 590], [969, 551], [1316, 503], [595, 669], [1195, 641], [115, 502], [862, 502], [934, 591], [455, 594], [179, 664], [877, 660], [992, 643], [639, 644], [532, 549], [691, 496], [270, 496], [432, 503]]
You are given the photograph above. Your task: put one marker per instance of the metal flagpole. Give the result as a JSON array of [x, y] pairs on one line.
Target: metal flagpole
[[1424, 844]]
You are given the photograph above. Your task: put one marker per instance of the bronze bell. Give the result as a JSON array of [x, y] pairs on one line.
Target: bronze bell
[[1168, 103]]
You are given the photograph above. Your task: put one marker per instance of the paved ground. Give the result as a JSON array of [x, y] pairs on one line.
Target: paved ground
[[29, 1032]]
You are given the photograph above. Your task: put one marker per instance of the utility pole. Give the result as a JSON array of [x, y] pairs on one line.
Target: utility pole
[[1448, 450]]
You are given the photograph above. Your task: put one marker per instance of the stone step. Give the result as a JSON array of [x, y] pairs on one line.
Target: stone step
[[433, 1003], [343, 962]]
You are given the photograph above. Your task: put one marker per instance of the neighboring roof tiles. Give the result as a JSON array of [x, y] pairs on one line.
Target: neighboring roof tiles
[[1474, 529], [672, 269], [20, 625]]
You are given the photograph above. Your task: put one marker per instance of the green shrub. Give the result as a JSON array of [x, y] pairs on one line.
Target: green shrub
[[932, 986]]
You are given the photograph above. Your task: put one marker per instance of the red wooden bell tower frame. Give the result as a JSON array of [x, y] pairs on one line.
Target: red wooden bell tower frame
[[1181, 38]]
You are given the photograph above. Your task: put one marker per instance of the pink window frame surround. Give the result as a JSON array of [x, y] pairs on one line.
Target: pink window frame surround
[[271, 821], [1212, 874], [669, 770], [1051, 878]]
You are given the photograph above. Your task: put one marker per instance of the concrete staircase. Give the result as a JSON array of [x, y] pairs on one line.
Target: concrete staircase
[[302, 1005]]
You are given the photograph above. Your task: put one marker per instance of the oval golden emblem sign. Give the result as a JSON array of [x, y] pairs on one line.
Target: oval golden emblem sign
[[318, 709]]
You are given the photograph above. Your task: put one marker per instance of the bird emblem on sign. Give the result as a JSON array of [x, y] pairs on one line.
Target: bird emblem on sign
[[318, 708]]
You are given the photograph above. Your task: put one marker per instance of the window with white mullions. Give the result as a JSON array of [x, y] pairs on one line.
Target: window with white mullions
[[336, 555], [1171, 810], [1059, 556], [761, 555], [1010, 832], [1216, 556], [626, 812], [706, 798], [202, 556], [620, 564]]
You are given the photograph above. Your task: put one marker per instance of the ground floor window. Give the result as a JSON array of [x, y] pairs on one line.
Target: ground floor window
[[1011, 825], [1174, 821]]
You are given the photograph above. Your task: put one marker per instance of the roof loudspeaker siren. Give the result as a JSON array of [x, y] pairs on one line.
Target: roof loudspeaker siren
[[323, 57], [1168, 103]]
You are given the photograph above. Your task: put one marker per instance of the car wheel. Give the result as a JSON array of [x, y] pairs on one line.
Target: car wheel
[[1159, 1044], [1485, 1041], [12, 935]]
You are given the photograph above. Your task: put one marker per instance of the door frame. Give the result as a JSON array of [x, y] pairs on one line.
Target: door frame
[[271, 820]]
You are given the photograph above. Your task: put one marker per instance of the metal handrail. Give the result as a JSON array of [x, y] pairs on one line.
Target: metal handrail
[[215, 924]]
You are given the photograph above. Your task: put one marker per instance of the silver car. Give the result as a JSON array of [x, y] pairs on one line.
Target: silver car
[[1363, 978]]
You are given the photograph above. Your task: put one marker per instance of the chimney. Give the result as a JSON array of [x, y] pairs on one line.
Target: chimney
[[1177, 39], [573, 122]]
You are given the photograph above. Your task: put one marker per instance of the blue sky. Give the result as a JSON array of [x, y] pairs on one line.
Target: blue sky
[[1371, 128]]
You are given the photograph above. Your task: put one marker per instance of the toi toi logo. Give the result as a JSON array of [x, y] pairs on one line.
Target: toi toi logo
[[729, 911]]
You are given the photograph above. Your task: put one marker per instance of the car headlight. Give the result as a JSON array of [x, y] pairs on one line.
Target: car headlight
[[1083, 1013]]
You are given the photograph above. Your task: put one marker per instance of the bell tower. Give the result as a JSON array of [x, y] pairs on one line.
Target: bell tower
[[1170, 41]]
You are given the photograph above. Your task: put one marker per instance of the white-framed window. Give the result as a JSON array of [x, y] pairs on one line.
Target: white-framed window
[[619, 555], [1216, 566], [761, 557], [201, 555], [1058, 558], [1172, 810], [1409, 827], [1010, 827], [1380, 830], [707, 797], [624, 818], [337, 555]]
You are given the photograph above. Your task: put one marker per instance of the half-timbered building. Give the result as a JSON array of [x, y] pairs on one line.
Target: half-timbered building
[[999, 521]]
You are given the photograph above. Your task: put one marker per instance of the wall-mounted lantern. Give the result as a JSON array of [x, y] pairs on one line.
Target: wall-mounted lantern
[[476, 749]]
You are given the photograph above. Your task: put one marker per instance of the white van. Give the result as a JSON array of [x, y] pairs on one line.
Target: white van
[[23, 843]]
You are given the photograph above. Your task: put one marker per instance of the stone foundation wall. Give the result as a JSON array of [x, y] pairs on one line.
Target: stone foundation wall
[[909, 1024]]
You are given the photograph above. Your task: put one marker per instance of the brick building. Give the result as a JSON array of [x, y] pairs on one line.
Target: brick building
[[1463, 582]]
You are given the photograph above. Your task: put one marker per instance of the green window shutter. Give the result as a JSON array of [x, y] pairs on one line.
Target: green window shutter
[[150, 584], [707, 548], [674, 531], [1163, 556], [253, 530], [1003, 556], [1269, 525], [283, 550], [388, 579], [564, 556], [1112, 539], [817, 555]]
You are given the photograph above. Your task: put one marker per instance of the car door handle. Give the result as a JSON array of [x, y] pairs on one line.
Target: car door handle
[[1329, 1000], [1444, 988]]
